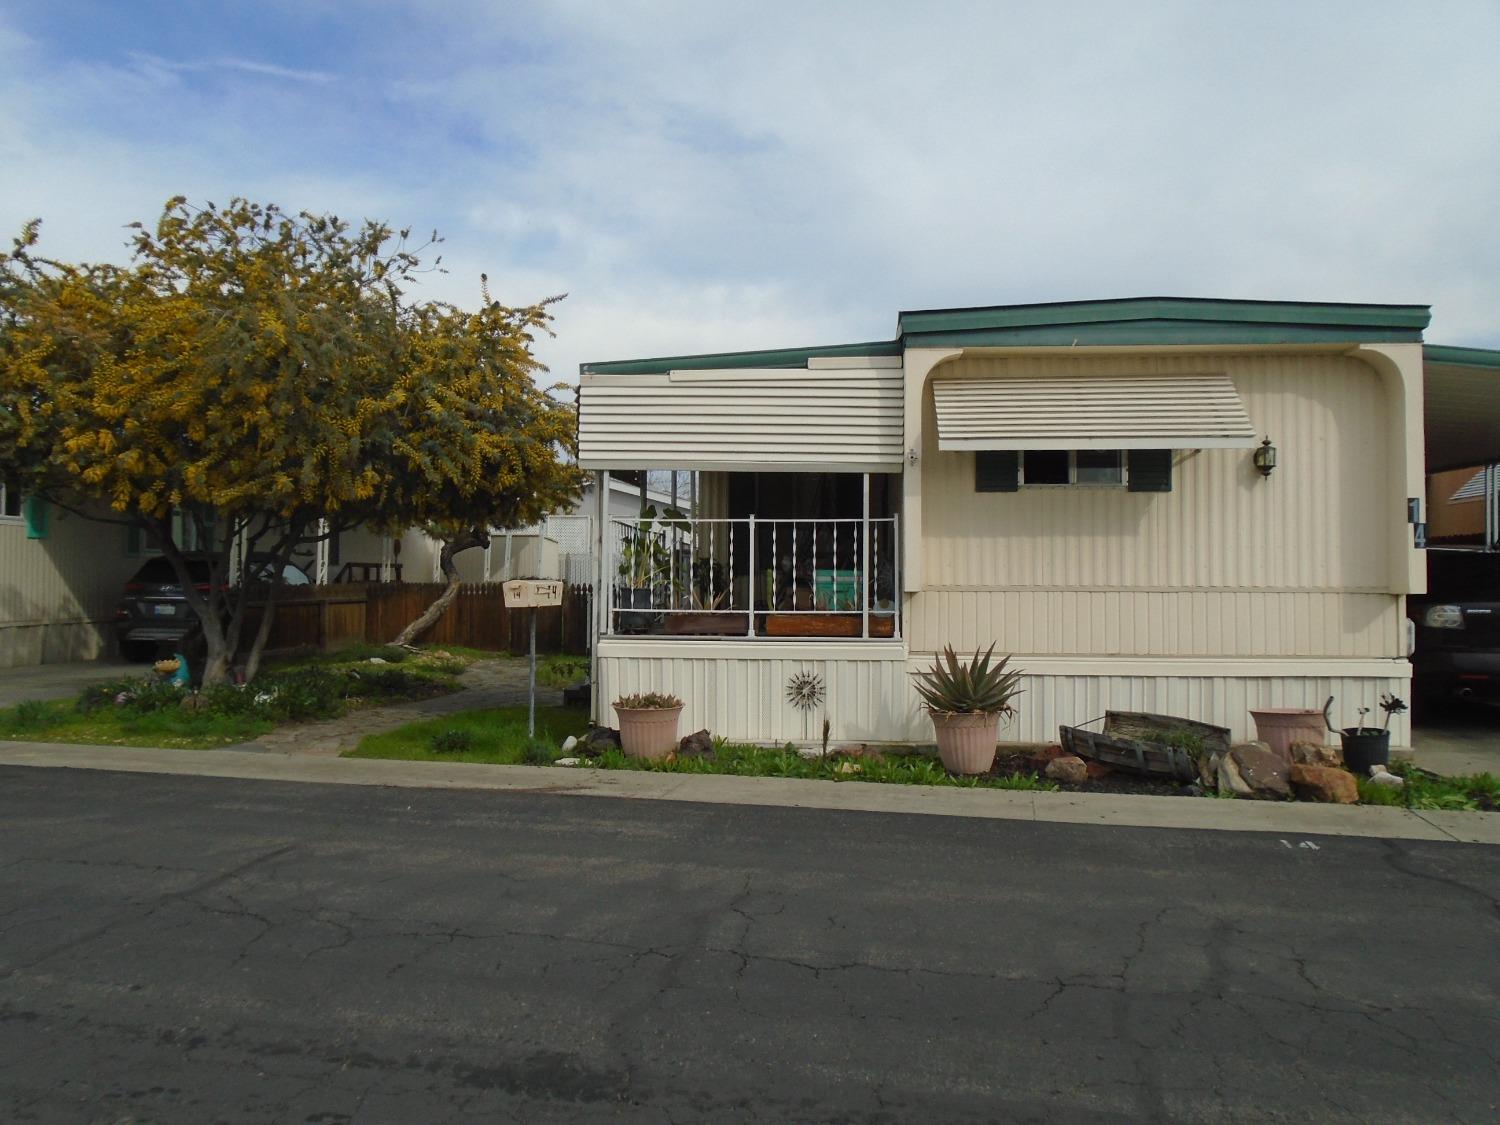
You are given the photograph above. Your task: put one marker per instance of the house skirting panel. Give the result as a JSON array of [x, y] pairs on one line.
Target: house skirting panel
[[739, 690], [50, 642]]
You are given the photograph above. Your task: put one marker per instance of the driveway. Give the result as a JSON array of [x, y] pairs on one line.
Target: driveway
[[59, 681], [179, 949], [1458, 737]]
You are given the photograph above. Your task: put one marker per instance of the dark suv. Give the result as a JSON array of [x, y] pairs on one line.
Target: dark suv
[[154, 612], [1457, 646]]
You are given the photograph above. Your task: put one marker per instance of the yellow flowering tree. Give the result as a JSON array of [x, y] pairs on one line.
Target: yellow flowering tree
[[251, 373]]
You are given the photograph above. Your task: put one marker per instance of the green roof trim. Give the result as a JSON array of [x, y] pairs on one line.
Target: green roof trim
[[779, 357], [1119, 322], [1461, 357], [1165, 310]]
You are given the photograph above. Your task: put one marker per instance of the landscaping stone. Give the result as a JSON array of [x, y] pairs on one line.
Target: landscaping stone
[[377, 660], [596, 740], [1316, 754], [1068, 768], [1324, 783], [1228, 780], [1265, 771], [569, 743], [1379, 775], [1096, 770], [699, 744], [857, 753], [567, 761]]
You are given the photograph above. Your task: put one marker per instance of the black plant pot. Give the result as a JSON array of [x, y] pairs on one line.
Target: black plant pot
[[628, 599], [1365, 747]]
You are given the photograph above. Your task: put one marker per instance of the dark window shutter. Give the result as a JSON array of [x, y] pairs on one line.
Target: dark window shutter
[[997, 470], [1150, 470]]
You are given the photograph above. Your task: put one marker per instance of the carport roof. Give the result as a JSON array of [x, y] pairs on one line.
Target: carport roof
[[1461, 406]]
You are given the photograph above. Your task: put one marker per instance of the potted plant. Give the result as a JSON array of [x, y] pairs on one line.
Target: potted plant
[[966, 701], [645, 562], [1367, 746], [648, 724]]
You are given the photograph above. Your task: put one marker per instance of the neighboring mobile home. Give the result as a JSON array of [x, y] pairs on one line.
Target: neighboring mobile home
[[1084, 484]]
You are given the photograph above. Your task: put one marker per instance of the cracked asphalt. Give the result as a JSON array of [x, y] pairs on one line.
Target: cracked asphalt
[[178, 949]]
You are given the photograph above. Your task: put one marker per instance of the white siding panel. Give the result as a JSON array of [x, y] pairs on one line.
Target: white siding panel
[[839, 418], [1014, 411]]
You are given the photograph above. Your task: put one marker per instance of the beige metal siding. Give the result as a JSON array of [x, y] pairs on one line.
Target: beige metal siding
[[838, 419], [1227, 563], [1091, 412], [57, 595]]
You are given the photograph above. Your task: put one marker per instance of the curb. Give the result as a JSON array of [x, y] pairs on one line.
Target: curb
[[850, 796]]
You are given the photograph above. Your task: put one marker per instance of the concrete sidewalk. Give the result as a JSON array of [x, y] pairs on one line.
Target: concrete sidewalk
[[1059, 808]]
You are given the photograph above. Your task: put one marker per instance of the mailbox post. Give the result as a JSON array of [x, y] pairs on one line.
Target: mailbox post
[[530, 593]]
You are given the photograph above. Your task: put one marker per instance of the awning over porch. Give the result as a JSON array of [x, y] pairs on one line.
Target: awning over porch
[[835, 415], [1092, 412]]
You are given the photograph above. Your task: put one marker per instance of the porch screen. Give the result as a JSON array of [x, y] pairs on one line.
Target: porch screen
[[1092, 412]]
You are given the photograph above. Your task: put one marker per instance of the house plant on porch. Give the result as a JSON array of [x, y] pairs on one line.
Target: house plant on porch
[[966, 701], [648, 724]]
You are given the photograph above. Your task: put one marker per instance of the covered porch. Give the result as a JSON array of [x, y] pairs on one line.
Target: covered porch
[[764, 555]]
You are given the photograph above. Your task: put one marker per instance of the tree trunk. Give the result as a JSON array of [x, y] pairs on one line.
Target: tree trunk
[[262, 631], [433, 613]]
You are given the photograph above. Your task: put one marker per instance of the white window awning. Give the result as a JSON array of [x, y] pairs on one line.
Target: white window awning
[[1092, 412]]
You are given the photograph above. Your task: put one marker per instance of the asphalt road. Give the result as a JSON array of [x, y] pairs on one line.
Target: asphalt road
[[195, 950]]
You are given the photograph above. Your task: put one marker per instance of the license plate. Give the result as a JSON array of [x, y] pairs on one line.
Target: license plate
[[164, 610]]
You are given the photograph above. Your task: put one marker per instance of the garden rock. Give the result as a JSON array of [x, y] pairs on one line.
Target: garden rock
[[1228, 780], [699, 744], [378, 660], [596, 740], [1096, 770], [567, 761], [569, 744], [1262, 769], [1379, 775], [1316, 754], [1069, 768], [1324, 783]]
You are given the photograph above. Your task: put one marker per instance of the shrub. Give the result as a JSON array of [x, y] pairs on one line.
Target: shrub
[[452, 741], [29, 714]]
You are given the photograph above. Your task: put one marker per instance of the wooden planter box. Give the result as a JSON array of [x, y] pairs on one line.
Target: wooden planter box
[[825, 625], [707, 624]]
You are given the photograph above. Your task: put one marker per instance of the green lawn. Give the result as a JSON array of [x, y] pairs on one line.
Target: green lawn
[[496, 736], [61, 721]]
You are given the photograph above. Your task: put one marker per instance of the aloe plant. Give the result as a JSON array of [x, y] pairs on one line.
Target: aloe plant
[[969, 687]]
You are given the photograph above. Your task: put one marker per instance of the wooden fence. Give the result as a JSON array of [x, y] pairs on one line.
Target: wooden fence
[[331, 617]]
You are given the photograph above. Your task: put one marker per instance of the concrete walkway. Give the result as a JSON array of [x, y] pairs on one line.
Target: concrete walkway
[[1292, 821], [485, 684]]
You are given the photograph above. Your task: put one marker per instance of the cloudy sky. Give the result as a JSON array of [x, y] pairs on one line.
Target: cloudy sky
[[706, 176]]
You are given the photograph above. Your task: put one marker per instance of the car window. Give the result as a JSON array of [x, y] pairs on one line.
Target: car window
[[158, 571], [1463, 575]]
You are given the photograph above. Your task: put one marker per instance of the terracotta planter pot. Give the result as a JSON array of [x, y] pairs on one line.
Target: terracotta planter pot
[[966, 743], [648, 732], [1279, 727]]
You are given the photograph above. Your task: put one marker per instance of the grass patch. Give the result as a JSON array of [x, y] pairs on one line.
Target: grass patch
[[62, 721], [562, 671], [1479, 792], [496, 736]]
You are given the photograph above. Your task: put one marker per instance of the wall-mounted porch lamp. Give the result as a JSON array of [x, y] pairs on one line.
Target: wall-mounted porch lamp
[[1265, 458]]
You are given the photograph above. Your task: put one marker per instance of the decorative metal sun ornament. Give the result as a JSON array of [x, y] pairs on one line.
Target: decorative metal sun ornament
[[804, 691]]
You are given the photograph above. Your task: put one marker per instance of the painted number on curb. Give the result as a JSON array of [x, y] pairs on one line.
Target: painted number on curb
[[1308, 844]]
